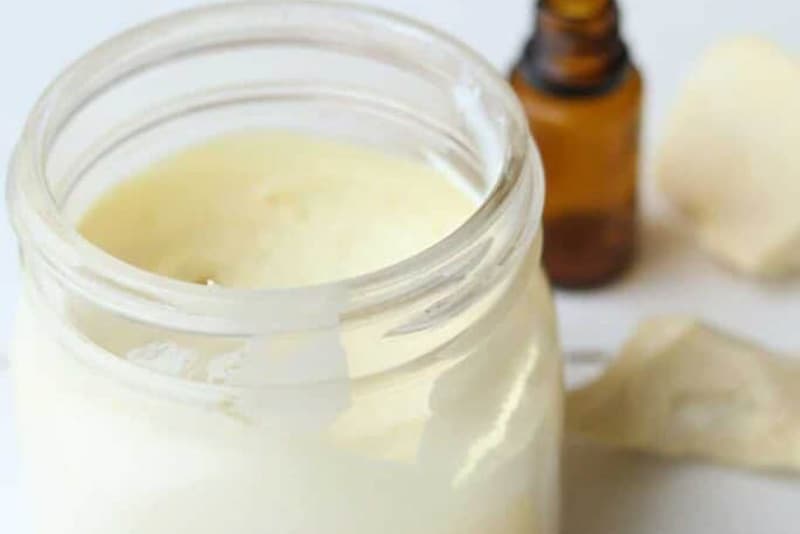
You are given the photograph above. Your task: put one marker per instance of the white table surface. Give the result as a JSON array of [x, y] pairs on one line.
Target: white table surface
[[606, 492]]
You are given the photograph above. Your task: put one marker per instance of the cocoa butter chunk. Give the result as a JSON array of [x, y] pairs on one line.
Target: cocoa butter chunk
[[729, 160], [681, 388]]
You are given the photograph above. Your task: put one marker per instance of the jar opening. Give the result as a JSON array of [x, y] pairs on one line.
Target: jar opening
[[323, 58]]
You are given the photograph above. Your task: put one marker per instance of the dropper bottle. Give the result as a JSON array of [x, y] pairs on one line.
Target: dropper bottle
[[583, 96]]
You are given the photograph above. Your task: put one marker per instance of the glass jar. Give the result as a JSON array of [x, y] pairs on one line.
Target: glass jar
[[424, 397]]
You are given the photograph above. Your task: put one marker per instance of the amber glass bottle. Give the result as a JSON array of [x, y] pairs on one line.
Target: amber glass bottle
[[582, 95]]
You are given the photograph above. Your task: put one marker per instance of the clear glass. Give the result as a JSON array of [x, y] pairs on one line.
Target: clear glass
[[424, 397]]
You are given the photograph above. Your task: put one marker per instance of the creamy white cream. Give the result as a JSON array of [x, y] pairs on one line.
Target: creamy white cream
[[463, 442], [275, 210]]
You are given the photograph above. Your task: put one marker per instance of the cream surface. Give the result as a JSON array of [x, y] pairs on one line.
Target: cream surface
[[275, 210], [463, 441]]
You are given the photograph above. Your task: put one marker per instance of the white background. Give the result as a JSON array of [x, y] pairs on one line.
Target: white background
[[39, 37]]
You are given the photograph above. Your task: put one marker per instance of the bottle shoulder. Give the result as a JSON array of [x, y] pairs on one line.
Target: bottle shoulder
[[624, 99]]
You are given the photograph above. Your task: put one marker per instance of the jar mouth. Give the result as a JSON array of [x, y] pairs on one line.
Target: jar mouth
[[38, 218]]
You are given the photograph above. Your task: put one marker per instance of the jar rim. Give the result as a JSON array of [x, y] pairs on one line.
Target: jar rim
[[67, 250]]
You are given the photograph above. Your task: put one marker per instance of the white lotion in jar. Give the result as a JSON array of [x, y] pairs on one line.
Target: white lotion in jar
[[452, 445]]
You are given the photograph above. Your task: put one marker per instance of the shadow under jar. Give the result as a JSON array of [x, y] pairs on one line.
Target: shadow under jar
[[424, 397]]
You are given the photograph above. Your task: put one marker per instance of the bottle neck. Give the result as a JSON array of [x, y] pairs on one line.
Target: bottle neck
[[577, 48]]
